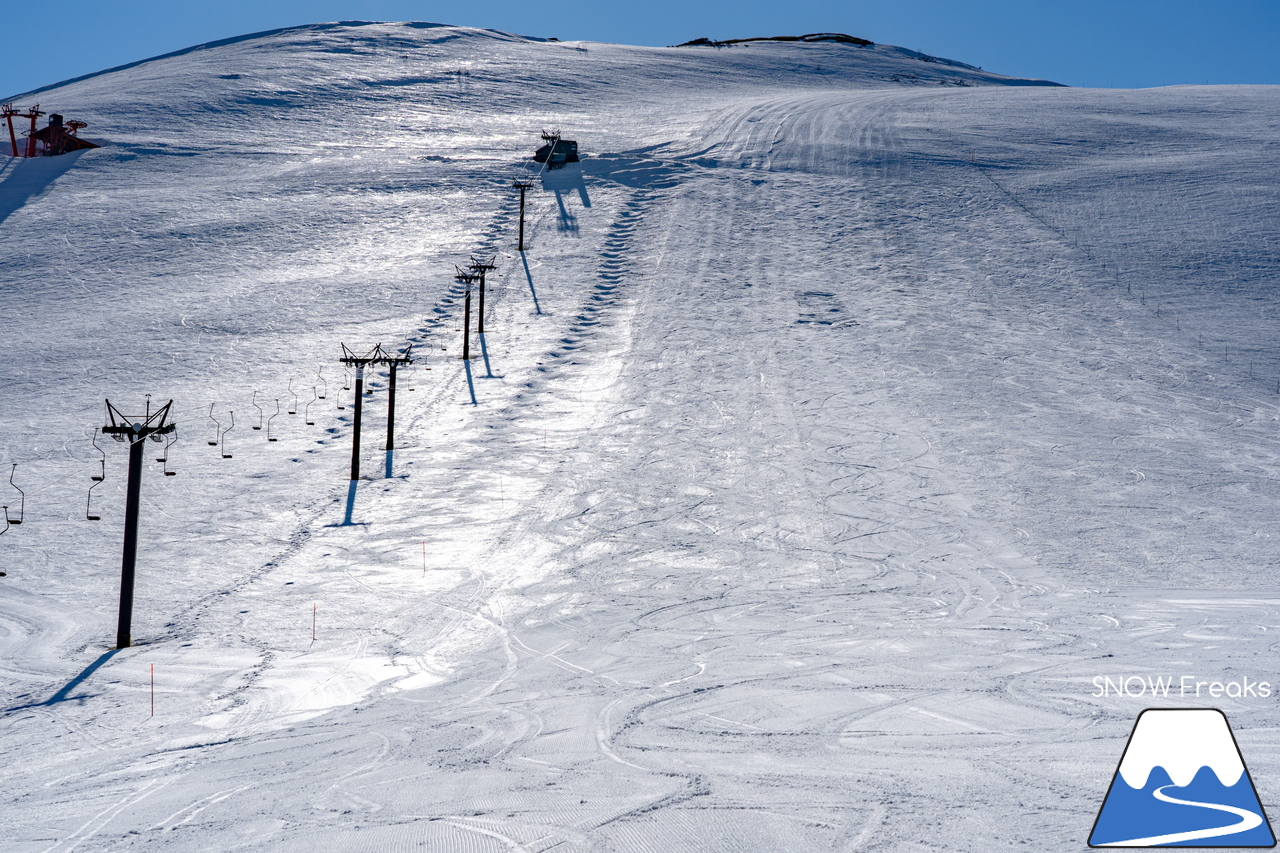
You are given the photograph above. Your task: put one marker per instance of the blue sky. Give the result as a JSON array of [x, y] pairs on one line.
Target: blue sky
[[1104, 43]]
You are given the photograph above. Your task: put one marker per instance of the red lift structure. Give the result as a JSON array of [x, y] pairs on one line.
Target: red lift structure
[[57, 138]]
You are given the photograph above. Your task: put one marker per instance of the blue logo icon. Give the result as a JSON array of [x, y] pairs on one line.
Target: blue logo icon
[[1182, 783]]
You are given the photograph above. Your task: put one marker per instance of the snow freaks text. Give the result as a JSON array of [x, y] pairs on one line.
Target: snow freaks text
[[1186, 686]]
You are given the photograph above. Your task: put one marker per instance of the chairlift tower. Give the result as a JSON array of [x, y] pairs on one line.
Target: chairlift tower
[[480, 268], [32, 114], [9, 114], [393, 361], [523, 186], [377, 355], [467, 278], [135, 430]]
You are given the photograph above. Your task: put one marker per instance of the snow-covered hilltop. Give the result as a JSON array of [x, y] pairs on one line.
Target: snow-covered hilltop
[[848, 413]]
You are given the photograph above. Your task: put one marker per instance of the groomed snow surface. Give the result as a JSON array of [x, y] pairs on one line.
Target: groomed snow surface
[[847, 415]]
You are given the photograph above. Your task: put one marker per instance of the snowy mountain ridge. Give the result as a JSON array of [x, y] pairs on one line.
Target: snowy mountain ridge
[[883, 55]]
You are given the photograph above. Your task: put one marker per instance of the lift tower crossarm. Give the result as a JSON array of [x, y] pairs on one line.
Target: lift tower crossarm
[[377, 355]]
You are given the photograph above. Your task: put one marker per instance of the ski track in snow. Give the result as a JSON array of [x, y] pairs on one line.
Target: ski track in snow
[[798, 489]]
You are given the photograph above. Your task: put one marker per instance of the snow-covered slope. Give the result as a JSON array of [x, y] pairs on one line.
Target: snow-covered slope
[[847, 415]]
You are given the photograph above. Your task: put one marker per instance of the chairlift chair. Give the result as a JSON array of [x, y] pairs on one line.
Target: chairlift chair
[[270, 419], [98, 478], [88, 501], [225, 454], [323, 381], [294, 410], [217, 428], [306, 414], [254, 403], [22, 508], [173, 436], [413, 373]]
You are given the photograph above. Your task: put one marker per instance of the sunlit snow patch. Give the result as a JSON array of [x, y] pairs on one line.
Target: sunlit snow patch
[[299, 688], [1182, 783]]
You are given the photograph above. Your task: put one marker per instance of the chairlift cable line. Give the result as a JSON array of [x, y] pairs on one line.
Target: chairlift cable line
[[81, 469], [77, 472], [193, 412], [62, 451], [187, 417]]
